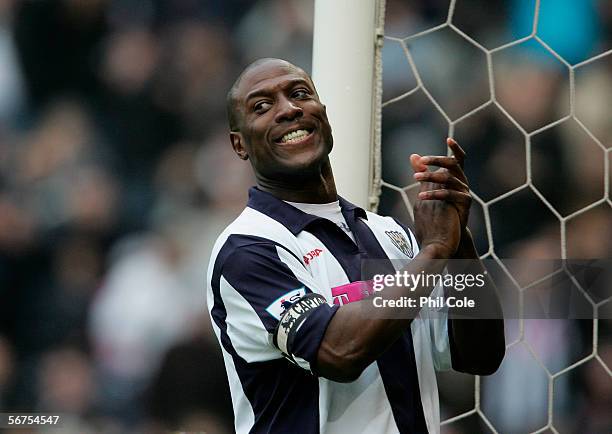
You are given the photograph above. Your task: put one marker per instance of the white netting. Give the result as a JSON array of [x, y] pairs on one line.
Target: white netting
[[585, 122]]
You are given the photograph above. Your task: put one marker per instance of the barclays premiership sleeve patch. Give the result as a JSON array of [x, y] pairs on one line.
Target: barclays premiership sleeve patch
[[279, 306]]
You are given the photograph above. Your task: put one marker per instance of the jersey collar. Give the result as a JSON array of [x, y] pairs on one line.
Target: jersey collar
[[292, 218]]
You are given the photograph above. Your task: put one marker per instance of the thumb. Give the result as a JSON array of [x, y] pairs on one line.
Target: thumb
[[417, 166]]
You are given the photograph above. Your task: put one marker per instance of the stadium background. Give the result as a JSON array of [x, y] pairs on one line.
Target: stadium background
[[116, 175]]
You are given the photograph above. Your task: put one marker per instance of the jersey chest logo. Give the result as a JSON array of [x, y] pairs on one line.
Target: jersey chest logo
[[399, 240], [311, 255], [351, 292]]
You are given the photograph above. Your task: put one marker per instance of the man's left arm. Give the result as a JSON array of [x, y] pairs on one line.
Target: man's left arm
[[477, 343], [476, 334]]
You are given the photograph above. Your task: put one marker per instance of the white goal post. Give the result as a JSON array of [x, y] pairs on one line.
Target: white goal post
[[344, 63]]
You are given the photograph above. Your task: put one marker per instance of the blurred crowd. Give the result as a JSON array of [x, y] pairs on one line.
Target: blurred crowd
[[116, 176]]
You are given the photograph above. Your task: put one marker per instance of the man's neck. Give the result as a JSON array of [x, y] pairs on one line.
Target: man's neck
[[319, 189]]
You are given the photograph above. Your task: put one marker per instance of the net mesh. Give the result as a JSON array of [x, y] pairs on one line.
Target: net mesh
[[532, 140]]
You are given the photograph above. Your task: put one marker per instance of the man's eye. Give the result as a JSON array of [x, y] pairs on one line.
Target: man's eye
[[301, 93], [261, 106]]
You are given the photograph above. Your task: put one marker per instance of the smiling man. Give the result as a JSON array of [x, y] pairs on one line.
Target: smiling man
[[303, 348]]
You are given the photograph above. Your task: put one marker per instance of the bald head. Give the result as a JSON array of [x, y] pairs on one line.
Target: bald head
[[234, 112]]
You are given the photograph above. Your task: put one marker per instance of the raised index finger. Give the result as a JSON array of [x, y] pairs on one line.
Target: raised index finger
[[457, 150]]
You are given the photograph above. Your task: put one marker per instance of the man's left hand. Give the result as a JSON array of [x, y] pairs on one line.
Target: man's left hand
[[451, 184]]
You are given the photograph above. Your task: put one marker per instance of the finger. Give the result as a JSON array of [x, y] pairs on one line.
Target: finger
[[417, 165], [449, 163], [439, 161], [427, 186], [457, 150], [447, 196], [442, 177]]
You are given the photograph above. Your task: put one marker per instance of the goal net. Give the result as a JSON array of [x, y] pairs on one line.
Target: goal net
[[524, 87]]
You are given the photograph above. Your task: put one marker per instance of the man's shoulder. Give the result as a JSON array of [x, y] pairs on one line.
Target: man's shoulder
[[250, 228]]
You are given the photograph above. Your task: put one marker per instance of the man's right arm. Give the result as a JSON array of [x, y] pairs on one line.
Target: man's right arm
[[359, 332], [357, 335]]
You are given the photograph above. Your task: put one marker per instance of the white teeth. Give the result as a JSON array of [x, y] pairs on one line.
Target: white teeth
[[294, 136]]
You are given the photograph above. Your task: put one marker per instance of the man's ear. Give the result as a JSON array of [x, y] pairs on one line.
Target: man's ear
[[237, 144]]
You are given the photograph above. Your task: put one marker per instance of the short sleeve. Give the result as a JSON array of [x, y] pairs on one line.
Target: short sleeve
[[270, 312]]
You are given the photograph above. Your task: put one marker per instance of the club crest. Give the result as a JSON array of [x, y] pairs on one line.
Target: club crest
[[399, 240]]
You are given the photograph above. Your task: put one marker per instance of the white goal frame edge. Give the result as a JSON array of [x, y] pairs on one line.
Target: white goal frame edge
[[346, 68]]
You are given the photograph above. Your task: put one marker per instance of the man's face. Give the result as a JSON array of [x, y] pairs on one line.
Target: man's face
[[283, 126]]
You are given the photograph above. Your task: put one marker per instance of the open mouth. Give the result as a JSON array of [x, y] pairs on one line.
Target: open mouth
[[296, 136]]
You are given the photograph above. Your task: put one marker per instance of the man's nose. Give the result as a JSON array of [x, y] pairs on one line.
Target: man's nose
[[288, 110]]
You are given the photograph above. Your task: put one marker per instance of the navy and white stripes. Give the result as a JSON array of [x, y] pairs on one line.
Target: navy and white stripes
[[261, 265]]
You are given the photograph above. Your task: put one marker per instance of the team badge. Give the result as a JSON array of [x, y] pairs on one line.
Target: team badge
[[278, 307], [399, 240]]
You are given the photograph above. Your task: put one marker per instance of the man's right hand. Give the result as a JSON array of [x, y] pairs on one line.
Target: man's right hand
[[437, 222]]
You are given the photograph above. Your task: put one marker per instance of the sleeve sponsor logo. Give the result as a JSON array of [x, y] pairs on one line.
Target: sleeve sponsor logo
[[279, 306], [399, 240]]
